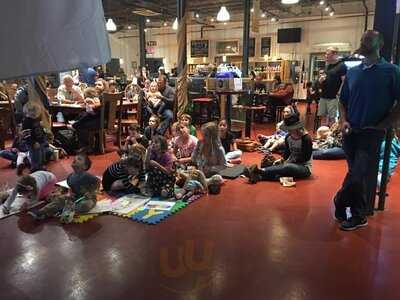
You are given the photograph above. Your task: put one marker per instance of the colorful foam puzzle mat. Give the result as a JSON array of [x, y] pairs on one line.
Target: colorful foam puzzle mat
[[153, 216]]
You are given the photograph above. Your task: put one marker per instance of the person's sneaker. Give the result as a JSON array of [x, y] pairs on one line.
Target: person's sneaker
[[339, 217], [354, 223]]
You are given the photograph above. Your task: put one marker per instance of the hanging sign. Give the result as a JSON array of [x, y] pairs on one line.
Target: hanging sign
[[151, 43]]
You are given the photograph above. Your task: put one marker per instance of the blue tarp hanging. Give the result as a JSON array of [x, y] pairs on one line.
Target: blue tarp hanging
[[45, 36]]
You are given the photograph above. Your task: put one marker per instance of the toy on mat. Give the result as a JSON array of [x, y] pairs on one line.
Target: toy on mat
[[192, 182]]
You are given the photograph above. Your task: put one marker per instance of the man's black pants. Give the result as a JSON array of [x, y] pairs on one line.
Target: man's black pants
[[359, 186]]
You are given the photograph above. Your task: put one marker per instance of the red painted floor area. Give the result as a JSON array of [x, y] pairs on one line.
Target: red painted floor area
[[250, 242]]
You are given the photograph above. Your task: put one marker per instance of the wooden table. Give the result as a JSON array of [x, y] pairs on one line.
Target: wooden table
[[250, 116], [78, 108], [225, 102]]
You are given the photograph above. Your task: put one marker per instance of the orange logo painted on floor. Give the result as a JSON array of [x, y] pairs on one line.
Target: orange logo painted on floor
[[182, 265]]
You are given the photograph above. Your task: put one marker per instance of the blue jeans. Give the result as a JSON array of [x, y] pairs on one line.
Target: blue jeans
[[329, 154], [9, 155], [167, 118], [359, 186], [285, 170]]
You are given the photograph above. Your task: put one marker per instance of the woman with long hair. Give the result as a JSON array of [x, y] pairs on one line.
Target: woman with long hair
[[209, 155]]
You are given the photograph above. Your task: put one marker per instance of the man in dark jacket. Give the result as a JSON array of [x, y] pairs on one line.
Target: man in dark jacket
[[168, 97]]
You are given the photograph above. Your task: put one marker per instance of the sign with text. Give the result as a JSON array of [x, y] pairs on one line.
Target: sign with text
[[199, 48], [151, 43]]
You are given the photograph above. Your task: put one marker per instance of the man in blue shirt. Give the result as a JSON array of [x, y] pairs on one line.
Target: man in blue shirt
[[369, 104]]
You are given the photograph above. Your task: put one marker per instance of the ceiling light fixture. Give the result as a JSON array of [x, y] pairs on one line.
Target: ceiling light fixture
[[289, 1], [332, 13], [223, 15], [197, 15], [212, 20], [147, 20], [322, 2], [175, 24], [328, 8], [274, 19], [263, 15], [110, 25], [129, 27], [252, 9], [165, 24]]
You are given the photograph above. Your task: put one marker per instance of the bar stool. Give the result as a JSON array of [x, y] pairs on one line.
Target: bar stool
[[202, 104]]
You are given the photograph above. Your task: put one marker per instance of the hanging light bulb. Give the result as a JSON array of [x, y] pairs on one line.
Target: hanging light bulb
[[328, 8], [263, 15], [129, 27], [121, 61], [274, 19], [224, 58], [289, 1], [147, 20], [197, 15], [322, 2], [212, 20], [175, 24], [252, 9], [165, 24], [223, 15], [110, 25], [332, 13]]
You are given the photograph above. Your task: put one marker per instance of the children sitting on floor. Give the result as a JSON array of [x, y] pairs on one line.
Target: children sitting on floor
[[34, 135], [32, 186], [152, 129], [81, 198], [134, 137], [18, 152], [209, 155], [232, 154], [125, 176], [328, 143], [159, 165], [183, 144], [297, 159], [186, 120]]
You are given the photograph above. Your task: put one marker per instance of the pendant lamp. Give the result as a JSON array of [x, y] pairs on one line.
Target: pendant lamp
[[110, 25], [223, 15]]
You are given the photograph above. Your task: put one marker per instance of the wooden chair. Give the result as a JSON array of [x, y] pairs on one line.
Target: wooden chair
[[108, 112], [121, 122]]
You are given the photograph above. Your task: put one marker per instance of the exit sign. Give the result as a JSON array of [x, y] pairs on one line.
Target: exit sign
[[151, 43]]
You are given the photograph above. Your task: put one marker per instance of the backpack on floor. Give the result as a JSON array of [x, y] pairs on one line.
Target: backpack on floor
[[67, 140]]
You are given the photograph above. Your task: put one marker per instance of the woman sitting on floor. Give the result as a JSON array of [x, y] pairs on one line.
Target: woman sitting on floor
[[297, 159], [209, 155]]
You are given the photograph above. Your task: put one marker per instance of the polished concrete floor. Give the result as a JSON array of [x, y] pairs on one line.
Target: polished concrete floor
[[250, 242]]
